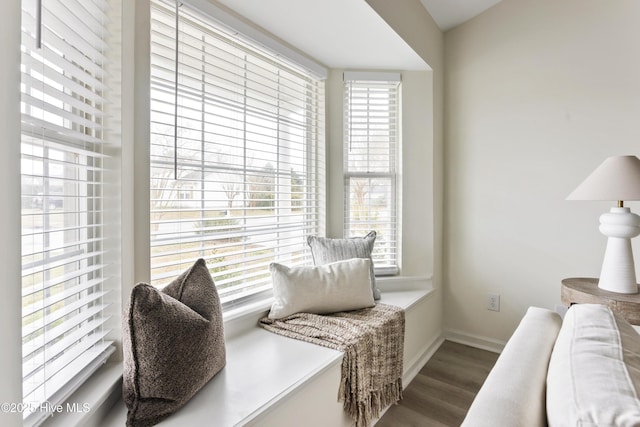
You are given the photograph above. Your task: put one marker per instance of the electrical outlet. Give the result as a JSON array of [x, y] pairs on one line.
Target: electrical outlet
[[493, 302]]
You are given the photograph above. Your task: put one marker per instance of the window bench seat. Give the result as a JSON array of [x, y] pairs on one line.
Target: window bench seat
[[273, 380]]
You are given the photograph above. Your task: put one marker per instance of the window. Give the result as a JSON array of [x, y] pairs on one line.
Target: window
[[63, 60], [241, 132], [372, 162]]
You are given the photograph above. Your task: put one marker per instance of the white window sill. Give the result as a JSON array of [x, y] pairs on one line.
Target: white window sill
[[98, 394], [262, 368]]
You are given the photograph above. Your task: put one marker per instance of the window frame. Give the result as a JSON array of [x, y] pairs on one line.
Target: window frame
[[312, 155], [64, 245], [388, 261]]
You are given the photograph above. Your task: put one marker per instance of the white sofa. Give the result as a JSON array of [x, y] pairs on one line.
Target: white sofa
[[583, 371]]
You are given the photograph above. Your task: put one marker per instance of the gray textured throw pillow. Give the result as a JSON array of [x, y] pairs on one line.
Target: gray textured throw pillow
[[173, 344], [326, 250]]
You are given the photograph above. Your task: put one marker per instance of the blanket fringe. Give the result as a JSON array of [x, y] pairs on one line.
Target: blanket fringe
[[363, 412]]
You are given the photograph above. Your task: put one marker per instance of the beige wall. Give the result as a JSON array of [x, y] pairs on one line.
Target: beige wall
[[418, 186], [538, 93], [423, 152]]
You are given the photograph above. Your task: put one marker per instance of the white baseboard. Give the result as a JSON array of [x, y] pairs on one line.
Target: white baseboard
[[421, 359], [477, 341]]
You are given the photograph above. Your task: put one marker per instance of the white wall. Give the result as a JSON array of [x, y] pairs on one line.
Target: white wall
[[419, 241], [538, 93]]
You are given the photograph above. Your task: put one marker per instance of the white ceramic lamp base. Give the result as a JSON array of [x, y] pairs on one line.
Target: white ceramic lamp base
[[618, 269]]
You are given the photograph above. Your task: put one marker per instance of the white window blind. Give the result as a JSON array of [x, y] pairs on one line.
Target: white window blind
[[372, 162], [237, 138], [63, 333]]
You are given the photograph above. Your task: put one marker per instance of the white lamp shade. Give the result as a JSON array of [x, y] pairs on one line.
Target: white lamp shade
[[617, 178]]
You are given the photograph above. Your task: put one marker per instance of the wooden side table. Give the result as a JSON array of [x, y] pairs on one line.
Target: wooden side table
[[585, 290]]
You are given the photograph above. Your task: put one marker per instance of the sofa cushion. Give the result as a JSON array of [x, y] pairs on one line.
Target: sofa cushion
[[338, 286], [173, 344], [513, 393], [325, 250], [594, 371]]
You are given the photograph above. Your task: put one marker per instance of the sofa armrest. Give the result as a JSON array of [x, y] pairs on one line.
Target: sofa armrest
[[514, 392]]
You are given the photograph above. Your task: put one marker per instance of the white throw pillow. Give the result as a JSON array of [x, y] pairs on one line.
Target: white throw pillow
[[329, 288]]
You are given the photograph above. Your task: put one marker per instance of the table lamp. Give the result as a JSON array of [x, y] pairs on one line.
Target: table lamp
[[617, 178]]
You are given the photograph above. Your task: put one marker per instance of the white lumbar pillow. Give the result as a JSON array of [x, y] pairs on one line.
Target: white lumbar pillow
[[328, 288]]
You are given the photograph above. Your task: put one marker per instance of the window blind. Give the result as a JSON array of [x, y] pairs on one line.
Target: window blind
[[372, 162], [63, 318], [237, 137]]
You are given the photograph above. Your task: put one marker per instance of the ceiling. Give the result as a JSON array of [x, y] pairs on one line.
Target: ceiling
[[451, 13], [348, 33], [336, 33]]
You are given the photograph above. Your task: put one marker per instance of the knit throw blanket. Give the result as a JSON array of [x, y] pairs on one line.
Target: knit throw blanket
[[372, 340]]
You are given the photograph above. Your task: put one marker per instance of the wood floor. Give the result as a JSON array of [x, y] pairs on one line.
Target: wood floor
[[443, 390]]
